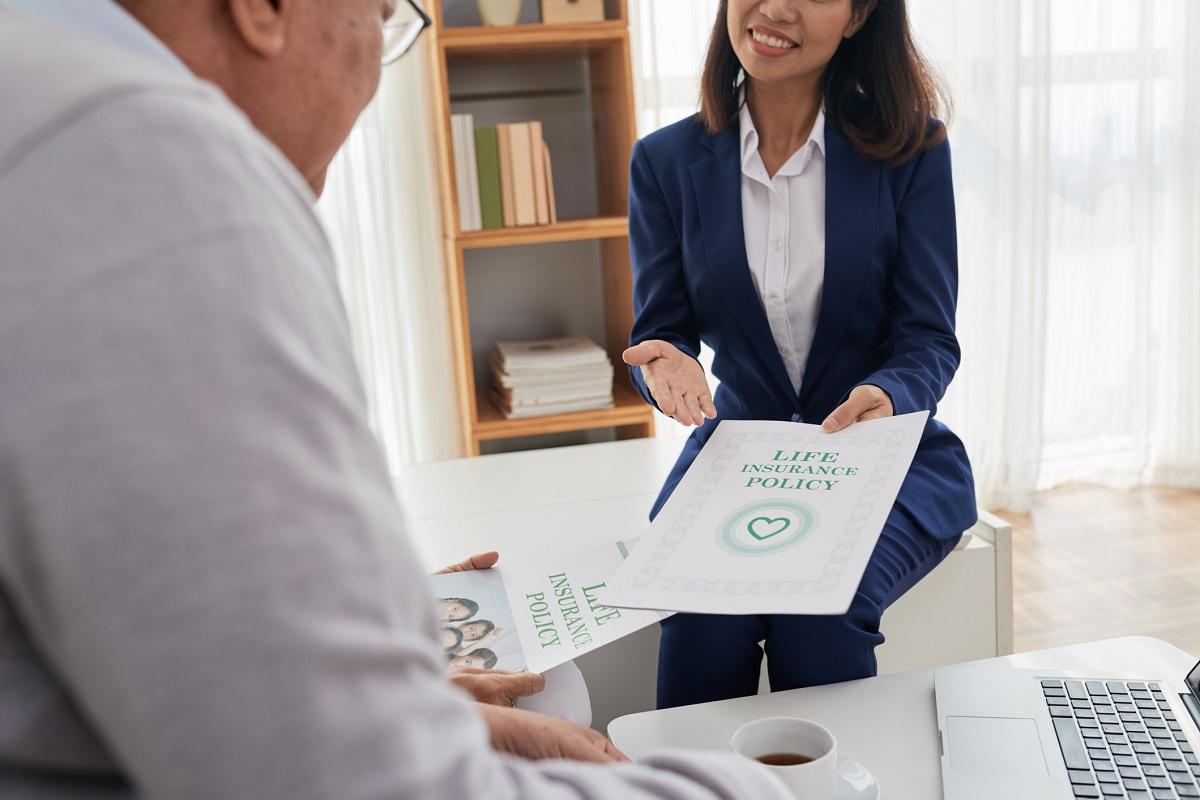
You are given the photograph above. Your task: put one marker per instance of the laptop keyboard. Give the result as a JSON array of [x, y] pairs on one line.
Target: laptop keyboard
[[1121, 739]]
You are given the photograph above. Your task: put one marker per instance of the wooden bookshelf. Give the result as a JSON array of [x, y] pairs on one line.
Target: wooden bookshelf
[[628, 410], [531, 41], [572, 231], [605, 47]]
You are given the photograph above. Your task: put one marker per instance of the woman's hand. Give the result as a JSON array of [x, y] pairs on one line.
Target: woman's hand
[[865, 402], [675, 380], [539, 736], [496, 688]]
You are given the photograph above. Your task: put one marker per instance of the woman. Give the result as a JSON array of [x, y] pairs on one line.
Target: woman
[[451, 640], [802, 225]]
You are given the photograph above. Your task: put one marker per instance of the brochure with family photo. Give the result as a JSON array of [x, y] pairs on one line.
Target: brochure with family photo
[[535, 614], [771, 518]]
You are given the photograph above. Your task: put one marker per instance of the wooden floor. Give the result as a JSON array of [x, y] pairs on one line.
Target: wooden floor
[[1092, 563]]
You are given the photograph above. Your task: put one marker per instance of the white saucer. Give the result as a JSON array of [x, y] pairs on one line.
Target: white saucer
[[855, 782]]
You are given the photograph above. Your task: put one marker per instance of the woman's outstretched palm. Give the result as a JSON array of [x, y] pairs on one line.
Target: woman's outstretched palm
[[676, 381]]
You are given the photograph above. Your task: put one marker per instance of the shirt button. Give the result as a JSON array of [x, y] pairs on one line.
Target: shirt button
[[778, 244], [774, 298]]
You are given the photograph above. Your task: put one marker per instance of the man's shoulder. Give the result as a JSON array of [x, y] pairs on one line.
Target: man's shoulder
[[128, 168], [48, 74], [55, 83]]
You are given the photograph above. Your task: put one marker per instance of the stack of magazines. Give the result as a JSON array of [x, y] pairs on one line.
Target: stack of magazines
[[550, 376]]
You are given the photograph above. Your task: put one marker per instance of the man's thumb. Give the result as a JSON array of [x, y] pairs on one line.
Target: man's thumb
[[532, 683]]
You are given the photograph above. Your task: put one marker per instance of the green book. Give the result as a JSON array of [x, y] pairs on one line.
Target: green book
[[487, 158]]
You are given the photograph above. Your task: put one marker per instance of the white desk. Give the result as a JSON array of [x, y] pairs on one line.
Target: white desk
[[573, 497], [888, 723]]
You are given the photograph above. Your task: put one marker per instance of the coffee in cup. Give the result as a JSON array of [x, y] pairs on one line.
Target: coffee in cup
[[783, 759], [801, 753]]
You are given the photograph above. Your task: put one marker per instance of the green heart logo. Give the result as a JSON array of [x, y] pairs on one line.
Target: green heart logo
[[763, 528]]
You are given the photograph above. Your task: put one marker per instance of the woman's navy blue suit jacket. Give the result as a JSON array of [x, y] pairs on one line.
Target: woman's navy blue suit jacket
[[887, 307]]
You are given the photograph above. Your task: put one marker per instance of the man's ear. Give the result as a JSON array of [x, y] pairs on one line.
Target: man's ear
[[862, 12], [262, 25]]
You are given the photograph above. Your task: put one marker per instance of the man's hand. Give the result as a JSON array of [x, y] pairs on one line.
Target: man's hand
[[497, 688], [539, 736], [477, 561], [865, 402], [675, 380]]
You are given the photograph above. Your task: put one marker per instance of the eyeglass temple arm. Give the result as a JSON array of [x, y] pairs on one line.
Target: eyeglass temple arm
[[426, 20]]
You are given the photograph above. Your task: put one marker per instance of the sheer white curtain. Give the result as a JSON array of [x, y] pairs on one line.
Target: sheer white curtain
[[1076, 149], [1077, 156], [380, 207]]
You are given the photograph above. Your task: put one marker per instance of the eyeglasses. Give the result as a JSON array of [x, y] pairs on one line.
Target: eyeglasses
[[399, 37]]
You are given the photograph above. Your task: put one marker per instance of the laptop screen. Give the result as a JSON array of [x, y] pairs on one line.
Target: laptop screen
[[1193, 681]]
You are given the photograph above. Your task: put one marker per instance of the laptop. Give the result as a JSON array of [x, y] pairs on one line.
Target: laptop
[[1018, 734]]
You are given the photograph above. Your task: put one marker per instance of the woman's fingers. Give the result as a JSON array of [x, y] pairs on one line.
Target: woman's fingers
[[865, 402], [675, 380], [681, 414], [693, 407], [661, 392], [847, 413], [642, 354]]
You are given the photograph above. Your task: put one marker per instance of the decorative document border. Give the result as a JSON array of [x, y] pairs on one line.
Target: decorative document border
[[651, 577]]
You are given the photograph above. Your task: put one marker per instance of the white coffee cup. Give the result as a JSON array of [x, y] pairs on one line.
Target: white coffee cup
[[812, 780]]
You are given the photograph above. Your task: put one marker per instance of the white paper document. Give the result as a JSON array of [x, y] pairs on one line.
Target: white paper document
[[534, 614], [771, 518]]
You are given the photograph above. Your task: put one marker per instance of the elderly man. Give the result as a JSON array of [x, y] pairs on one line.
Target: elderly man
[[205, 591]]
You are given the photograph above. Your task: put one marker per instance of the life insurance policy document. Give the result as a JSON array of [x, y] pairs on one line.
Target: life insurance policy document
[[771, 518]]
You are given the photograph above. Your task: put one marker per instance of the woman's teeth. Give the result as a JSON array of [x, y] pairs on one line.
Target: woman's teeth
[[771, 41]]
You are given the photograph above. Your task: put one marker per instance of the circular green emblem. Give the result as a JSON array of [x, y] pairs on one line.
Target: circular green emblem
[[766, 527]]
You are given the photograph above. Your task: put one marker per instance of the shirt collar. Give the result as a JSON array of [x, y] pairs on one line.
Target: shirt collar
[[795, 165], [101, 19]]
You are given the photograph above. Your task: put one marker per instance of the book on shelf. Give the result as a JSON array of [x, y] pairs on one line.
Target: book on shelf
[[524, 192], [508, 206], [541, 354], [462, 127], [460, 170], [553, 203], [504, 175], [472, 172], [534, 378], [491, 198], [598, 393], [550, 409], [550, 376], [537, 156]]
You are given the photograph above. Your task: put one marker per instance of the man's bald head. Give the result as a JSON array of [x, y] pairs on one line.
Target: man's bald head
[[301, 70]]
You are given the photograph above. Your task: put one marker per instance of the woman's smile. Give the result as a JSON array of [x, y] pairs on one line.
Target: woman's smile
[[769, 42]]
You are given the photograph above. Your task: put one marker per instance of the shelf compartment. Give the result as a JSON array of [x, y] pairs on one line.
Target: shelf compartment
[[529, 41], [568, 231], [628, 409]]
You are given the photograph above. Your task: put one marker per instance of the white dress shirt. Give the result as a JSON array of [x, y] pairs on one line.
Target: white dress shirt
[[784, 221]]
